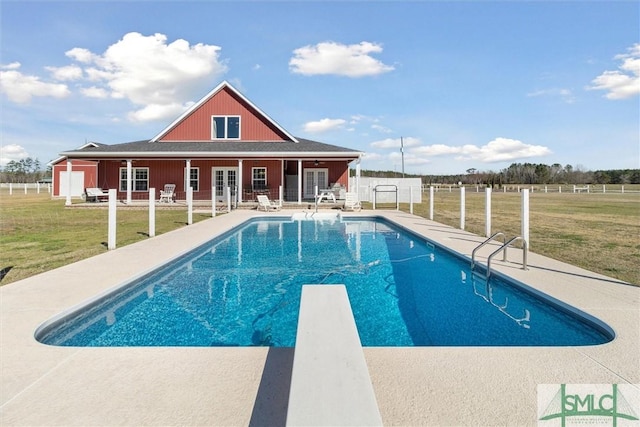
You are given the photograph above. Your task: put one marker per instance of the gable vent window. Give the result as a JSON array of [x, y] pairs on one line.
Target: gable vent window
[[225, 127]]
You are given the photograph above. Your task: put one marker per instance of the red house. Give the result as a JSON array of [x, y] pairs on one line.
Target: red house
[[222, 141]]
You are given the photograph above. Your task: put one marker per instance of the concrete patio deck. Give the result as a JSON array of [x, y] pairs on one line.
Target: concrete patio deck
[[46, 385]]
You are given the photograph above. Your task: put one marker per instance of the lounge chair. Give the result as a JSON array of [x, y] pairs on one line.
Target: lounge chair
[[351, 202], [266, 204], [166, 195], [95, 194]]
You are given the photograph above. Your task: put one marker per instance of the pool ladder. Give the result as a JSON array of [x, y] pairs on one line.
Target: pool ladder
[[503, 249]]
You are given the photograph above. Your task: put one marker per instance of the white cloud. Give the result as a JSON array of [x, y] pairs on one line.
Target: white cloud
[[625, 82], [409, 159], [498, 150], [565, 94], [324, 125], [82, 55], [151, 73], [94, 92], [20, 88], [153, 111], [353, 60], [437, 150], [12, 152], [11, 66], [395, 143], [381, 129], [70, 72]]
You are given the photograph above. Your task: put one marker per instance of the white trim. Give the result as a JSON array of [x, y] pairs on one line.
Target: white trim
[[225, 170], [253, 169], [132, 179], [181, 155], [226, 127], [63, 157], [208, 96], [187, 176]]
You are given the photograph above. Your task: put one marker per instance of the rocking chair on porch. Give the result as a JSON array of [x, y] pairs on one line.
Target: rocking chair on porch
[[166, 195]]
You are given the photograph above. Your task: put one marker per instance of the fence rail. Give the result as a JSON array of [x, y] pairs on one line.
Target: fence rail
[[541, 188]]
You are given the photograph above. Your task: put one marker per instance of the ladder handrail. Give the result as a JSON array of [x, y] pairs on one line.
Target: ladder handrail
[[493, 236], [504, 247]]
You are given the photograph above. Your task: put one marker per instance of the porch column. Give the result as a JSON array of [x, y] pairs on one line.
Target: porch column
[[68, 201], [129, 180], [187, 178], [282, 181], [299, 181], [358, 178], [240, 181]]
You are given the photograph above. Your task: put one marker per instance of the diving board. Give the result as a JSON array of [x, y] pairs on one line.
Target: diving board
[[330, 383]]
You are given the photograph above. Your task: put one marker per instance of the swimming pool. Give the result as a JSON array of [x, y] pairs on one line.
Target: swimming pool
[[243, 289]]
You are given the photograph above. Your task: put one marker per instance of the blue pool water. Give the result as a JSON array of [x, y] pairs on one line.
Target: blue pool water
[[243, 289]]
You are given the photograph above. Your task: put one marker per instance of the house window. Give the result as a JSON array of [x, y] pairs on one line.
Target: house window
[[259, 178], [140, 179], [225, 127], [194, 178]]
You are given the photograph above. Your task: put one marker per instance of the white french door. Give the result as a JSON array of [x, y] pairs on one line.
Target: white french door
[[313, 177], [223, 178]]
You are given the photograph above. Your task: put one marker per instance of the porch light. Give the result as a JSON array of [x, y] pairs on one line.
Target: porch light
[[316, 163]]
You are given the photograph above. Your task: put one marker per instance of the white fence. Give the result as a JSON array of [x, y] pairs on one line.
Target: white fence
[[387, 190], [540, 188], [29, 187]]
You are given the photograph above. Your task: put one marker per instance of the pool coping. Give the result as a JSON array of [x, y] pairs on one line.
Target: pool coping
[[45, 385]]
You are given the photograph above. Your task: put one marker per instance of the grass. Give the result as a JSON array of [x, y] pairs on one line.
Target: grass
[[599, 232], [38, 234]]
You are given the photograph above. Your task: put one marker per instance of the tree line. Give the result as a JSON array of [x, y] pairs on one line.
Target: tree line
[[24, 171], [31, 170], [524, 173]]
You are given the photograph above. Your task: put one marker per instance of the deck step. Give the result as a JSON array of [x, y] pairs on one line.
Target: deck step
[[330, 383]]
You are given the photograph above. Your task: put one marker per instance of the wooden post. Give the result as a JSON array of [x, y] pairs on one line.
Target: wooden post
[[213, 202], [111, 239], [462, 207], [229, 199], [525, 217], [189, 205], [152, 212], [431, 201], [487, 211], [68, 199]]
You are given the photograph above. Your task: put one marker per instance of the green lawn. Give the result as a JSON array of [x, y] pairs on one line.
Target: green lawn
[[38, 234], [600, 232]]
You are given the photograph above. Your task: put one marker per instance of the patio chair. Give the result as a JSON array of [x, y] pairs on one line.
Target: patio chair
[[351, 202], [266, 204], [166, 195]]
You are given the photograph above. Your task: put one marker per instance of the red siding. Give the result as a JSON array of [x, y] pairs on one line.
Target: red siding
[[163, 172], [197, 126], [89, 168]]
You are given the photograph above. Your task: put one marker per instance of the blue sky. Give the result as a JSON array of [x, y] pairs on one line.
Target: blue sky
[[464, 84]]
